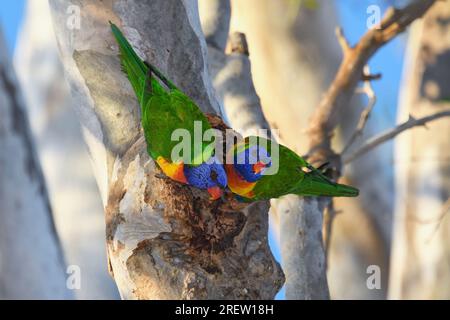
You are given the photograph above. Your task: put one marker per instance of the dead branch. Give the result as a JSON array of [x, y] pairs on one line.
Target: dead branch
[[367, 90], [392, 133], [336, 101]]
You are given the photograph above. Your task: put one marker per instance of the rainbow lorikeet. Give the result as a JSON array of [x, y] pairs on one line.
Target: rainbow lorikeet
[[249, 176], [162, 112]]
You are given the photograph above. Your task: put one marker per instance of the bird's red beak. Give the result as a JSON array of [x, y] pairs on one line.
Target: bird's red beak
[[257, 167], [215, 193]]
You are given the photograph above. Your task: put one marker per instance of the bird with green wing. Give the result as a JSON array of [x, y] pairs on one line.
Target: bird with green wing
[[248, 170], [251, 174], [164, 110]]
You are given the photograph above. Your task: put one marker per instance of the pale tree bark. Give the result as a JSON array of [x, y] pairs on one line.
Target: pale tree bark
[[164, 240], [420, 262], [73, 193], [31, 260]]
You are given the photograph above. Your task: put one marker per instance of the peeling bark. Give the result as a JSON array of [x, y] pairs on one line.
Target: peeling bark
[[165, 240], [31, 260]]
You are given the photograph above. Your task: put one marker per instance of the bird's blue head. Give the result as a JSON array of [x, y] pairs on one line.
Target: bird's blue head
[[207, 175], [252, 162]]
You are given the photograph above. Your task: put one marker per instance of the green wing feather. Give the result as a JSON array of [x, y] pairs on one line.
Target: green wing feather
[[295, 176], [162, 111]]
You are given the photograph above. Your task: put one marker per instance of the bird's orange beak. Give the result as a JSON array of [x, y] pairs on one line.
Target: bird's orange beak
[[215, 193], [257, 167]]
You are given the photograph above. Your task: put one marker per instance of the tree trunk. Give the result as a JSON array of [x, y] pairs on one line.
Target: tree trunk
[[164, 240], [31, 261], [65, 162], [420, 262]]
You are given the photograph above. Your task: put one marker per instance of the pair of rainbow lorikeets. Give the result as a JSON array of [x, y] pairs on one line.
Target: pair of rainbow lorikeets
[[164, 108]]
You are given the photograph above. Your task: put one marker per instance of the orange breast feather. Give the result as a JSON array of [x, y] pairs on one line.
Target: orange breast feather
[[237, 184], [174, 171]]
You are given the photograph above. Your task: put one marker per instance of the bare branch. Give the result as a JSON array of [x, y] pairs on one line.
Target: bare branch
[[336, 101], [368, 90], [370, 77], [392, 133], [343, 42]]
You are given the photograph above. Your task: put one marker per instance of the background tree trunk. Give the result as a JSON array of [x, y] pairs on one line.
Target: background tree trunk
[[164, 240], [72, 189], [420, 263], [31, 260]]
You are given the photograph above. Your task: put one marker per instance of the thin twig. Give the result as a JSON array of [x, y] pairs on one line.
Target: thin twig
[[392, 133], [343, 42], [365, 114]]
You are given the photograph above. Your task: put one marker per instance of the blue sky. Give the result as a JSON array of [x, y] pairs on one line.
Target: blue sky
[[11, 14], [352, 14]]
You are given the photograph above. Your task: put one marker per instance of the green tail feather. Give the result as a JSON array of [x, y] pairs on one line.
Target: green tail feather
[[316, 184], [137, 71]]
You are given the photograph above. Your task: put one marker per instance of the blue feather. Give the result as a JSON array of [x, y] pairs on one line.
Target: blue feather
[[245, 160], [206, 175]]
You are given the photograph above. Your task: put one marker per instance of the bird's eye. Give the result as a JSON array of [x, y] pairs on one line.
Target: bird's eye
[[213, 175]]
